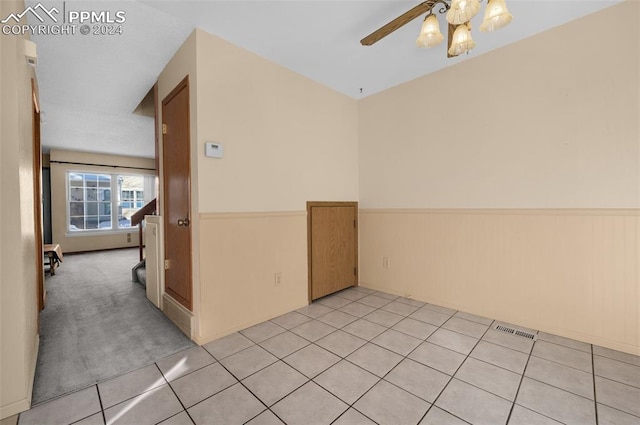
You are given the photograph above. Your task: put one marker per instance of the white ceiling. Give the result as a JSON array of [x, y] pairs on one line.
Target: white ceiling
[[90, 85]]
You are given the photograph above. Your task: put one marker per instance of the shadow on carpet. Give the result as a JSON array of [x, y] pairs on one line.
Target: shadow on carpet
[[98, 324]]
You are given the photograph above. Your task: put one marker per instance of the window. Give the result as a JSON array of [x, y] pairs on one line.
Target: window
[[89, 201], [92, 206], [131, 198]]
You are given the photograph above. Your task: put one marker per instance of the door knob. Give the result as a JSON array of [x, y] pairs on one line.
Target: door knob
[[184, 222]]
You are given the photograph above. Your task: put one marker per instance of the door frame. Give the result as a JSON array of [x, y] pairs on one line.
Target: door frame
[[182, 85], [310, 205], [37, 200]]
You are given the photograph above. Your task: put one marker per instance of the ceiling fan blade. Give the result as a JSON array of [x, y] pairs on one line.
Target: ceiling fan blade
[[401, 20]]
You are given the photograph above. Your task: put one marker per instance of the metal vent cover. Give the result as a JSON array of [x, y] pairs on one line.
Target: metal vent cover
[[516, 332]]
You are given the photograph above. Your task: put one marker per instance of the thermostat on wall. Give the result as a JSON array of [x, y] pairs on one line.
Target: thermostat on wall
[[213, 150]]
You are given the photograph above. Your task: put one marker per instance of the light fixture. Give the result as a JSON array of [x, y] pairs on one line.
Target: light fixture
[[461, 41], [462, 11], [496, 16], [430, 34], [458, 15]]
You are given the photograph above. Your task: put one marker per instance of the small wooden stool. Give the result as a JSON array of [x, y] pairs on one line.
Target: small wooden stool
[[53, 253]]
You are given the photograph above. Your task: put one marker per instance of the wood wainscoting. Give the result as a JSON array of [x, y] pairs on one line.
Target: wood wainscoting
[[240, 255], [569, 272]]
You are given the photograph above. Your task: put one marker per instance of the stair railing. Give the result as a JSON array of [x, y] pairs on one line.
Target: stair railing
[[138, 218]]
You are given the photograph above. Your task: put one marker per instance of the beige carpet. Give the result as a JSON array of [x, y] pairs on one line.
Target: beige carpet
[[98, 324]]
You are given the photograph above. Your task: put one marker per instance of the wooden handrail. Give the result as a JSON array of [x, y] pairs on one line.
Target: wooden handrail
[[148, 209], [138, 218]]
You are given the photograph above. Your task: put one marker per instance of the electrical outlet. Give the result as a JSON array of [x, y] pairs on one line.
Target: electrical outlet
[[128, 237], [386, 262], [277, 279]]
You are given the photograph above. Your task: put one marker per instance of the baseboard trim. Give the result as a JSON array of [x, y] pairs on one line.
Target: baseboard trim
[[34, 364], [178, 314], [15, 408], [23, 404]]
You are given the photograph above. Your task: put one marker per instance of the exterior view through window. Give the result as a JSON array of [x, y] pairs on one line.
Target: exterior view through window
[[99, 202]]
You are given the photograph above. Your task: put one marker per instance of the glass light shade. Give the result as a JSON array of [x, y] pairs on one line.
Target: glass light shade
[[430, 34], [496, 16], [462, 41], [462, 11]]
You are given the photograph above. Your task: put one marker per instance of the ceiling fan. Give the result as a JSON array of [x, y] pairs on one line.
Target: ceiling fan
[[458, 15]]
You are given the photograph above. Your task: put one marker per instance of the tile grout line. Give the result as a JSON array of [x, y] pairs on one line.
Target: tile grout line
[[300, 372], [404, 357], [557, 388], [572, 367], [546, 383], [618, 360], [329, 367], [423, 341], [566, 346], [494, 365], [558, 363], [613, 379], [104, 416], [578, 370], [186, 374], [530, 352], [351, 406], [520, 383], [175, 394], [250, 392], [454, 373], [595, 397]]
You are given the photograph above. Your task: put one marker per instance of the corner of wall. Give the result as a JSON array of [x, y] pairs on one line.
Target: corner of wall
[[18, 283]]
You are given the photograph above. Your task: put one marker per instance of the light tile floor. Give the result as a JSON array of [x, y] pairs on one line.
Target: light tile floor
[[366, 357]]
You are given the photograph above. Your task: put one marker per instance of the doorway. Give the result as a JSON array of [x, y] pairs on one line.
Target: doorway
[[176, 145], [332, 229]]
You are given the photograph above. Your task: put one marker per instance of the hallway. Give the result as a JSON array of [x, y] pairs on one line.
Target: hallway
[[97, 324]]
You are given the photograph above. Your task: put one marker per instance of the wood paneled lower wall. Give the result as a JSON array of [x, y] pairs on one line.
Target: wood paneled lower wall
[[239, 255], [574, 273]]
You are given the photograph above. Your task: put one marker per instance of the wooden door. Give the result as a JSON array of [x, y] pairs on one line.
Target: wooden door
[[176, 146], [333, 247]]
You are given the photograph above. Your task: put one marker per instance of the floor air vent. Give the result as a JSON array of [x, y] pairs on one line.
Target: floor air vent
[[516, 332]]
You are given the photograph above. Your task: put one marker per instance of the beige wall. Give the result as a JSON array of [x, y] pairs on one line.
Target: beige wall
[[18, 291], [59, 164], [548, 122], [568, 143], [287, 140]]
